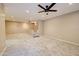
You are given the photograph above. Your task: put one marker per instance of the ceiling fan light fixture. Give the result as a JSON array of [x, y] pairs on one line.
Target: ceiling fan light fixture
[[47, 9], [46, 13]]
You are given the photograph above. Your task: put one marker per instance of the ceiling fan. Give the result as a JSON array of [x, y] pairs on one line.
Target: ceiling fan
[[47, 8]]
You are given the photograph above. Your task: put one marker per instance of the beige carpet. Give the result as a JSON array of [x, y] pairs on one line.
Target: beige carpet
[[26, 45]]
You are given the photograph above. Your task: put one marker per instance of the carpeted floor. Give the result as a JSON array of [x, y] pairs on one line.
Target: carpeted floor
[[26, 45]]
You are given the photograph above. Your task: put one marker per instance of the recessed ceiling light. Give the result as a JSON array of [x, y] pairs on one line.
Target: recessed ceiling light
[[43, 16], [5, 7], [26, 18], [27, 11], [70, 3], [12, 16]]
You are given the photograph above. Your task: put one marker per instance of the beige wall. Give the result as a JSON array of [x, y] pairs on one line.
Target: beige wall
[[65, 27], [17, 27], [41, 27], [2, 29], [2, 33]]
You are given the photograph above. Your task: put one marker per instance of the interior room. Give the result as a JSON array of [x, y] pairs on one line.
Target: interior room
[[39, 29]]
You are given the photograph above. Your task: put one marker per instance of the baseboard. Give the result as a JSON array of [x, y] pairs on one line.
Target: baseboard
[[3, 51], [66, 41]]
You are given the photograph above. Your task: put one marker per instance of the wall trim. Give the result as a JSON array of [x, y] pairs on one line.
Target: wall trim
[[66, 41], [3, 51]]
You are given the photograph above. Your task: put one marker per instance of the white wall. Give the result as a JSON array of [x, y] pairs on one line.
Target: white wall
[[65, 27], [2, 30]]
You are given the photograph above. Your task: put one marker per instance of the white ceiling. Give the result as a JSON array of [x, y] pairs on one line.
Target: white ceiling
[[17, 11]]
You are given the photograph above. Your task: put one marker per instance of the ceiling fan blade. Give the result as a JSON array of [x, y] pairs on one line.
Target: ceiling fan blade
[[41, 6], [41, 11], [51, 6], [52, 10]]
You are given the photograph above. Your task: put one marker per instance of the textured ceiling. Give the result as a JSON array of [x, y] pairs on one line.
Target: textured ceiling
[[28, 11]]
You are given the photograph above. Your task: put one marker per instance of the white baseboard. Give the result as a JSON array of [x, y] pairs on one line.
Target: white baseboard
[[3, 51], [70, 42]]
